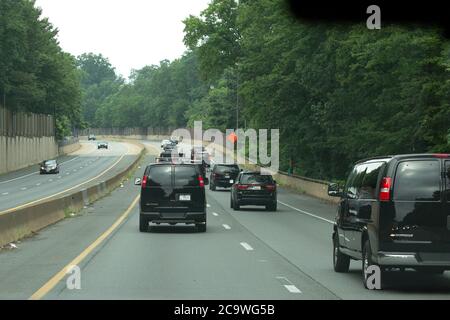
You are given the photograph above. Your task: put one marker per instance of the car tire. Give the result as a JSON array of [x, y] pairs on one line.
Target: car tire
[[236, 205], [367, 261], [231, 202], [341, 262], [271, 207], [143, 224], [201, 227]]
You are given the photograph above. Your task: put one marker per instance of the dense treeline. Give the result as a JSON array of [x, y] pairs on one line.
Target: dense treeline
[[337, 93], [35, 74]]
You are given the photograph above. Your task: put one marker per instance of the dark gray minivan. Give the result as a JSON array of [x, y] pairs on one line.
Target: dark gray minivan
[[394, 212], [172, 193]]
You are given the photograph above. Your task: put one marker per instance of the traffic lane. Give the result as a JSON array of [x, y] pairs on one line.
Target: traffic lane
[[25, 269], [177, 262], [305, 240], [82, 169]]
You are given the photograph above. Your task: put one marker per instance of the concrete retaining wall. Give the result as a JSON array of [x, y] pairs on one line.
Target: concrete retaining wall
[[20, 152], [17, 224]]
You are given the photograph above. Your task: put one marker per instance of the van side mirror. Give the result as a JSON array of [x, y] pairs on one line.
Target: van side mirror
[[274, 181], [241, 170], [333, 190], [137, 181]]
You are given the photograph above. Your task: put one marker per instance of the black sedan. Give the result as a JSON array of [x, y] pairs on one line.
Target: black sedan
[[102, 145], [254, 188], [49, 166]]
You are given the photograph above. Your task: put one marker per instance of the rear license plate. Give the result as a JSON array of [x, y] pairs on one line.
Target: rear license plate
[[184, 197], [255, 188], [231, 181], [227, 177]]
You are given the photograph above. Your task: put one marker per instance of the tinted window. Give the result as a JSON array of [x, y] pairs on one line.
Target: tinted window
[[221, 168], [186, 176], [370, 181], [355, 181], [160, 176], [447, 176], [256, 178], [417, 180], [50, 162]]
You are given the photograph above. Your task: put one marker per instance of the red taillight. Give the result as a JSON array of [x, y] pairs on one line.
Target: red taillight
[[144, 181], [442, 155], [385, 189], [242, 187], [270, 187], [201, 181]]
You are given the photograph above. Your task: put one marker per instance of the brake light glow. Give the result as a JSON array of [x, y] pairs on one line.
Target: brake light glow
[[385, 189], [144, 181], [201, 181], [242, 187], [442, 155], [270, 187]]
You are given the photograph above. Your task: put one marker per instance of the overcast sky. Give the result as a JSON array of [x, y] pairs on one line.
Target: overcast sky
[[130, 33]]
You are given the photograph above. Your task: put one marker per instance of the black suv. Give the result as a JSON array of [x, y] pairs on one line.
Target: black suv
[[172, 193], [223, 175], [394, 213], [254, 188]]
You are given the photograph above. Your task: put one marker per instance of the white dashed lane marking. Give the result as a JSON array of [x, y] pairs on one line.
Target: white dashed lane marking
[[215, 214], [226, 226], [246, 246]]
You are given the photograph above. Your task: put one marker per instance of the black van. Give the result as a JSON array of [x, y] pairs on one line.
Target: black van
[[172, 193], [223, 175], [395, 213]]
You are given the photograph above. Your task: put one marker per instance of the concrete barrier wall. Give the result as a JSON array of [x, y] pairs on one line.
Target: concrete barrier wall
[[17, 224], [20, 152]]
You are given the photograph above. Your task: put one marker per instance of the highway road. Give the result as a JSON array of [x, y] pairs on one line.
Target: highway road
[[77, 171], [247, 254]]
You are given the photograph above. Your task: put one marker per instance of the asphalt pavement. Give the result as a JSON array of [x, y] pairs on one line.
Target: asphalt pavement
[[245, 254], [77, 171]]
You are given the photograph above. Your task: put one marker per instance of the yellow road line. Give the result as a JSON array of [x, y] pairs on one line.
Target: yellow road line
[[64, 191], [47, 287]]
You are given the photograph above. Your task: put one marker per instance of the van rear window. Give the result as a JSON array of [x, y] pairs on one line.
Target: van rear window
[[418, 181], [222, 168], [186, 176], [160, 176]]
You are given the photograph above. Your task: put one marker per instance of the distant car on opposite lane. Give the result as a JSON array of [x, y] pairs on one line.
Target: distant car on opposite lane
[[49, 166], [92, 137], [102, 145]]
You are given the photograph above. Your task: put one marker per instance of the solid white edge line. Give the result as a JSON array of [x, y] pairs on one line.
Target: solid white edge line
[[305, 212], [246, 246]]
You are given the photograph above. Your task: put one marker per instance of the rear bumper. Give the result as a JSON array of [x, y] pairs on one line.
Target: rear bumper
[[186, 218], [414, 259], [222, 183], [262, 201]]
